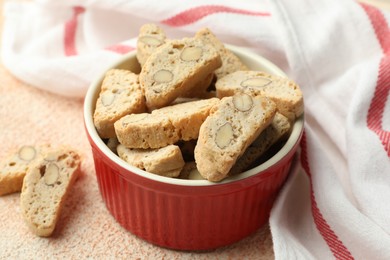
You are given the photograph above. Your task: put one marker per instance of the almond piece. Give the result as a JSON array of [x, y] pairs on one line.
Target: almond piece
[[224, 135], [107, 98], [191, 54], [27, 153], [163, 76], [51, 174], [242, 102], [149, 40], [256, 82]]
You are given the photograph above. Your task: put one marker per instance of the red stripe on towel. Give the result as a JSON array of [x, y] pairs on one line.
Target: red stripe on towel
[[380, 25], [121, 49], [336, 246], [70, 29], [195, 14], [382, 90]]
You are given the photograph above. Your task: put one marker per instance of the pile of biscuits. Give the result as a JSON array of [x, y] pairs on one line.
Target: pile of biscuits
[[44, 175], [195, 110]]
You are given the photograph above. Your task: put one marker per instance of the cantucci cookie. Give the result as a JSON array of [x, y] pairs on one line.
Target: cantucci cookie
[[120, 95], [45, 187], [166, 161], [188, 117], [229, 129], [279, 128], [175, 68], [283, 91], [164, 126], [145, 131], [15, 166], [149, 39], [230, 62]]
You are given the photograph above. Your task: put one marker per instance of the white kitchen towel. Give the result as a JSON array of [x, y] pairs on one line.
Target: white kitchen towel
[[335, 203]]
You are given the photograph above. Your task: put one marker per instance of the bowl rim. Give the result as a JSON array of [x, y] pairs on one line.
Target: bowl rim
[[88, 110]]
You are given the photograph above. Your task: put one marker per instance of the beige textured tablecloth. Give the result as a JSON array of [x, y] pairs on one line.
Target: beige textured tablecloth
[[85, 229]]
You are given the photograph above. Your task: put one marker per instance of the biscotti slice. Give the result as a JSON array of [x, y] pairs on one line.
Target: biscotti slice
[[188, 117], [120, 95], [166, 161], [283, 91], [45, 187], [229, 129], [276, 131], [230, 62], [176, 67], [15, 165], [163, 126], [145, 131], [149, 39]]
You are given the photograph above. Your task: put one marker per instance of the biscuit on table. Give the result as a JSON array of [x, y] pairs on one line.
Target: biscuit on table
[[283, 91], [15, 166], [229, 129], [120, 95], [45, 188]]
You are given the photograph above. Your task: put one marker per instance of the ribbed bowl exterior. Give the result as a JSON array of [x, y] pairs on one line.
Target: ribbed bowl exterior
[[188, 217]]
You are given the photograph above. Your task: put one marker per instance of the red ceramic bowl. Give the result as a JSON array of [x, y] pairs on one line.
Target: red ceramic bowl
[[188, 214]]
